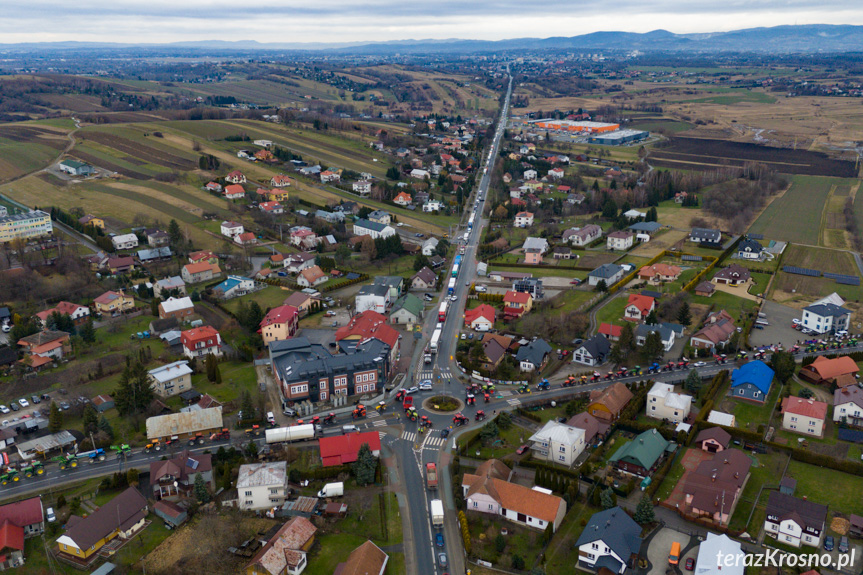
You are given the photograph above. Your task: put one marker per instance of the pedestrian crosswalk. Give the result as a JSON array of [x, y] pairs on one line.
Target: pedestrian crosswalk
[[380, 423], [433, 442], [504, 393], [373, 414], [445, 374], [381, 434], [514, 401], [409, 436]]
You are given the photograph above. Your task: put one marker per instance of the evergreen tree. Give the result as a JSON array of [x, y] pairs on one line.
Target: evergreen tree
[[133, 393], [210, 366], [652, 345], [365, 466], [602, 286], [652, 318], [90, 417], [782, 362], [504, 420], [218, 379], [616, 355], [627, 337], [684, 315], [201, 492], [596, 496], [87, 331], [609, 209], [693, 381], [174, 232], [247, 406], [644, 513], [55, 418], [608, 499], [105, 427], [517, 562]]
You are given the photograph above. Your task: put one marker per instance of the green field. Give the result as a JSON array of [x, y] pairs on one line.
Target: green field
[[796, 216]]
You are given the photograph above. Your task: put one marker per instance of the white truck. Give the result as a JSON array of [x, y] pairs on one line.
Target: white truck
[[437, 513], [435, 341], [332, 490], [293, 433]]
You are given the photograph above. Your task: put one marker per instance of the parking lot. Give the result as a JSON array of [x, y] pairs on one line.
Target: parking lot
[[779, 317], [660, 545]]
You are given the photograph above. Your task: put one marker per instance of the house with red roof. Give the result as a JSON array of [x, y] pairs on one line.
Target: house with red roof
[[304, 238], [841, 371], [343, 449], [203, 256], [659, 273], [280, 181], [271, 208], [516, 304], [245, 239], [285, 553], [44, 347], [403, 199], [280, 323], [78, 313], [328, 176], [236, 177], [199, 272], [804, 416], [18, 521], [638, 307], [610, 331], [370, 325], [234, 192], [201, 341], [174, 478], [214, 187], [480, 318]]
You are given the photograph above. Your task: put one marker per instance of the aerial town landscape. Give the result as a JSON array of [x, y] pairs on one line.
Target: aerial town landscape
[[585, 304]]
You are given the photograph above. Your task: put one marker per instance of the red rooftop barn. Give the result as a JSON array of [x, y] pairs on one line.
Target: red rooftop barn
[[342, 449]]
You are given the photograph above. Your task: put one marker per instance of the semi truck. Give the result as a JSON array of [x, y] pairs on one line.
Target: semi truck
[[431, 475], [435, 341], [451, 287], [332, 490], [293, 433], [437, 513], [441, 313]]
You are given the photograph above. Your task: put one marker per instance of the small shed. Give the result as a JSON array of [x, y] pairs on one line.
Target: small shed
[[788, 485], [191, 396], [335, 510], [103, 403], [170, 512], [105, 569], [302, 506]]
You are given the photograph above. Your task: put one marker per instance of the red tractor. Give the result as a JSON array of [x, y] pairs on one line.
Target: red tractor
[[359, 411], [425, 421], [459, 419], [330, 418], [608, 376], [473, 389], [668, 366], [569, 381], [487, 397], [400, 395], [682, 364], [471, 399], [221, 435], [596, 376], [480, 415], [315, 420]]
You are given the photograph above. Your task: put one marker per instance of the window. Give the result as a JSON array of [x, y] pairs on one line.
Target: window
[[562, 449], [323, 396], [594, 546], [475, 504], [274, 490], [652, 408], [490, 506], [561, 458], [248, 493], [793, 418], [249, 503]]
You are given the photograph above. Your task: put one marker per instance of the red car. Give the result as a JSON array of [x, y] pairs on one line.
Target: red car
[[690, 564], [522, 449]]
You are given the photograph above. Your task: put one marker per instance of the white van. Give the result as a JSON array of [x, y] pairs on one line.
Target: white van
[[350, 429]]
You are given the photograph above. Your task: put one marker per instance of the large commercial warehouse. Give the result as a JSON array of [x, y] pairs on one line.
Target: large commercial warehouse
[[576, 126], [618, 137]]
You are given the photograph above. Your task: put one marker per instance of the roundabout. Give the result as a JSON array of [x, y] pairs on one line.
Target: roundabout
[[442, 404]]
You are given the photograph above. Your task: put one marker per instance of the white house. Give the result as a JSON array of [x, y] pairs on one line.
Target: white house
[[373, 229], [582, 236], [794, 521], [125, 241], [555, 173], [557, 443], [826, 318], [530, 174], [231, 229], [327, 176], [363, 187], [611, 539], [664, 403], [848, 404], [804, 416], [432, 206], [523, 220], [620, 240], [593, 351], [420, 174], [609, 273], [375, 297], [720, 555], [429, 247], [666, 334], [634, 215], [262, 485], [172, 379]]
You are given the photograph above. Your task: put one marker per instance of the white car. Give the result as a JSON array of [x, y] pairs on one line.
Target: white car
[[699, 364], [464, 336], [411, 390], [426, 385], [7, 328], [400, 224], [49, 515], [4, 409], [23, 402]]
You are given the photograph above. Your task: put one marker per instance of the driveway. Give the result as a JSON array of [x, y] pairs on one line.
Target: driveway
[[690, 461], [659, 546], [739, 291], [779, 317]]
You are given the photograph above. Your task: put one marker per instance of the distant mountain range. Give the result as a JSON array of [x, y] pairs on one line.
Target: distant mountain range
[[811, 38]]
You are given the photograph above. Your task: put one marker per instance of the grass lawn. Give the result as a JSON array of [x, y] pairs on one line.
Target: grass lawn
[[267, 298], [672, 479], [759, 283], [840, 491], [750, 415], [559, 272], [767, 472], [330, 550], [521, 541], [736, 306], [612, 311], [506, 443], [561, 555]]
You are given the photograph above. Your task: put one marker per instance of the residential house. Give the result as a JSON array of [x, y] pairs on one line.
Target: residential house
[[280, 323], [429, 246], [199, 272], [733, 275], [172, 379], [610, 331], [749, 249], [826, 318], [344, 449], [419, 174], [170, 285], [236, 177], [245, 239], [380, 217], [516, 304], [606, 404], [665, 404], [262, 485], [528, 285], [839, 372], [556, 173], [717, 331], [295, 263], [712, 553], [480, 318], [213, 187], [494, 350], [280, 181], [609, 543], [645, 230], [848, 405], [620, 240], [231, 229], [532, 357], [312, 277], [125, 242], [88, 220], [274, 208], [592, 352], [403, 199], [234, 286], [79, 314], [234, 192], [201, 341], [367, 559], [285, 553], [327, 176], [575, 199], [157, 238], [795, 521], [19, 521], [122, 264], [562, 253], [488, 490], [751, 382], [363, 187], [634, 215], [666, 334], [704, 289], [705, 236], [530, 174], [713, 440], [534, 249], [301, 301], [594, 429], [114, 302], [203, 256], [373, 229], [121, 517], [407, 310], [642, 455], [330, 217], [369, 325], [557, 443], [581, 237], [659, 273], [425, 279], [432, 206], [172, 479], [608, 273], [804, 416], [76, 168], [177, 308], [523, 219], [638, 307]]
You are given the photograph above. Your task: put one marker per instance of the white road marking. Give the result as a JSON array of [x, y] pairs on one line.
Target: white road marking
[[380, 423], [514, 401]]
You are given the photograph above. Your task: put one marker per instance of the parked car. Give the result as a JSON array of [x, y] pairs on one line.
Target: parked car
[[412, 389], [4, 410], [64, 405], [35, 399], [464, 336], [438, 539], [479, 289], [441, 559], [14, 406], [419, 235], [843, 544], [690, 564], [444, 433], [49, 515], [828, 543], [330, 313], [23, 402], [522, 449]]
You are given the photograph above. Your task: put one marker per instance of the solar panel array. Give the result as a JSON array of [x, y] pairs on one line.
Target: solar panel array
[[802, 271], [843, 279], [689, 258], [756, 236]]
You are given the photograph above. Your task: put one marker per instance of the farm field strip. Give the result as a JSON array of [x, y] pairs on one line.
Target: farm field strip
[[179, 211]]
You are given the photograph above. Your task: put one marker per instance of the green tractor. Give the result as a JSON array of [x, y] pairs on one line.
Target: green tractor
[[11, 475], [122, 450], [34, 468], [66, 461]]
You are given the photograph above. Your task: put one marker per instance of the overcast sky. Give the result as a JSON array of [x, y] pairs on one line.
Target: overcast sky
[[330, 21]]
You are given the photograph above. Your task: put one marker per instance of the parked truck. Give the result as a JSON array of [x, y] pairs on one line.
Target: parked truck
[[431, 475], [437, 513], [332, 490], [293, 433], [435, 341]]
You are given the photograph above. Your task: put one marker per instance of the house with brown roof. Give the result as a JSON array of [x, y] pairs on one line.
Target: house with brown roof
[[45, 347], [705, 289], [733, 275], [606, 404], [280, 181], [367, 559], [848, 405], [285, 553], [199, 272], [717, 331], [312, 277], [301, 301], [712, 489], [659, 273], [489, 490], [122, 518], [594, 429], [425, 279], [174, 478], [840, 371], [713, 439], [114, 301], [795, 521]]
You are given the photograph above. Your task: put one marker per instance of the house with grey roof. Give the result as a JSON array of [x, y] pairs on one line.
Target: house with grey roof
[[648, 228], [593, 351], [826, 318], [749, 249], [374, 229], [610, 542], [532, 357], [705, 236], [540, 244], [610, 273], [666, 334]]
